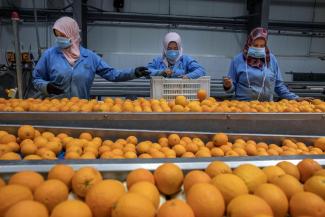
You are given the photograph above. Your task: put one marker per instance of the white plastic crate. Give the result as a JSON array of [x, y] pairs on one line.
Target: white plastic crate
[[169, 88]]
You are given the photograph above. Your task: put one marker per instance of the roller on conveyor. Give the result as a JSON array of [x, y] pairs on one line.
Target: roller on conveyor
[[141, 88]]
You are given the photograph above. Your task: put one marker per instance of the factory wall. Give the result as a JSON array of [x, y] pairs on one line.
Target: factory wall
[[125, 46]]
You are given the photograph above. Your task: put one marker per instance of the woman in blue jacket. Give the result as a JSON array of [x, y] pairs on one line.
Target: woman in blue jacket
[[254, 73], [68, 70], [173, 63]]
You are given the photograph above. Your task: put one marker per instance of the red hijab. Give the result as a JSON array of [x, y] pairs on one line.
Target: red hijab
[[256, 33]]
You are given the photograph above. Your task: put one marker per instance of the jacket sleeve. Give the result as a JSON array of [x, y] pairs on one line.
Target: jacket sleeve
[[111, 74], [232, 74], [41, 74], [155, 68], [195, 70], [280, 88]]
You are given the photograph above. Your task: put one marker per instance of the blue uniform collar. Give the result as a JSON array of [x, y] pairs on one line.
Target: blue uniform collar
[[83, 51]]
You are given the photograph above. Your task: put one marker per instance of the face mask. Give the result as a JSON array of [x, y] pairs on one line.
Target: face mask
[[256, 52], [172, 54], [63, 42]]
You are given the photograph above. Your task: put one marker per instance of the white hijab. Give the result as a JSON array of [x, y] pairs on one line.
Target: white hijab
[[172, 37]]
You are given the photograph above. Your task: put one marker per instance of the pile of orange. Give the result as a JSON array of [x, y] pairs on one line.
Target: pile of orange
[[31, 144], [246, 191], [180, 104]]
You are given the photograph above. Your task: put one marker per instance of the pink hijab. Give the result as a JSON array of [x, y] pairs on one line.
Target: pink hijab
[[70, 28], [256, 33], [169, 37]]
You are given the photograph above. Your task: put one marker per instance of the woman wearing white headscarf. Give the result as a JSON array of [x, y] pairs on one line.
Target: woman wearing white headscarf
[[67, 69], [173, 63]]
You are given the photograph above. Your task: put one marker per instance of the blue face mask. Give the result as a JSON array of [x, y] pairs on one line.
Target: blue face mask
[[172, 54], [63, 42], [256, 52]]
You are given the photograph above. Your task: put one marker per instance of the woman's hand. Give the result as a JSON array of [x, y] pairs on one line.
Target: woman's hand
[[308, 99], [227, 83]]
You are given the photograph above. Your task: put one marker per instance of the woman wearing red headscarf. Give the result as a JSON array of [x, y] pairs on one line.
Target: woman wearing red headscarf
[[254, 73], [67, 69]]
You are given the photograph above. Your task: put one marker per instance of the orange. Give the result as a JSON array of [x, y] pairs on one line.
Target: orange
[[70, 155], [250, 149], [40, 141], [4, 148], [32, 157], [289, 185], [320, 143], [188, 155], [173, 139], [12, 194], [205, 200], [252, 175], [145, 156], [28, 149], [194, 177], [63, 173], [5, 139], [107, 143], [240, 151], [84, 179], [148, 190], [181, 100], [247, 205], [143, 147], [26, 132], [320, 173], [231, 153], [61, 136], [29, 179], [48, 135], [2, 182], [275, 197], [131, 202], [13, 146], [10, 156], [132, 139], [191, 147], [163, 141], [27, 208], [139, 175], [220, 139], [272, 172], [169, 178], [216, 168], [50, 193], [316, 184], [86, 135], [175, 208], [26, 141], [203, 153], [307, 167], [217, 152], [179, 149], [103, 195], [230, 186], [289, 168], [71, 208], [201, 94], [130, 155], [306, 204]]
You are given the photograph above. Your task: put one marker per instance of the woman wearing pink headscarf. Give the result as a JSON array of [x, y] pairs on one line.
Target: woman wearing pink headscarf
[[67, 69], [173, 63], [254, 73]]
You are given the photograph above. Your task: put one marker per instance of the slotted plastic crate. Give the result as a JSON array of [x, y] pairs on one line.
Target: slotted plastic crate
[[169, 88]]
